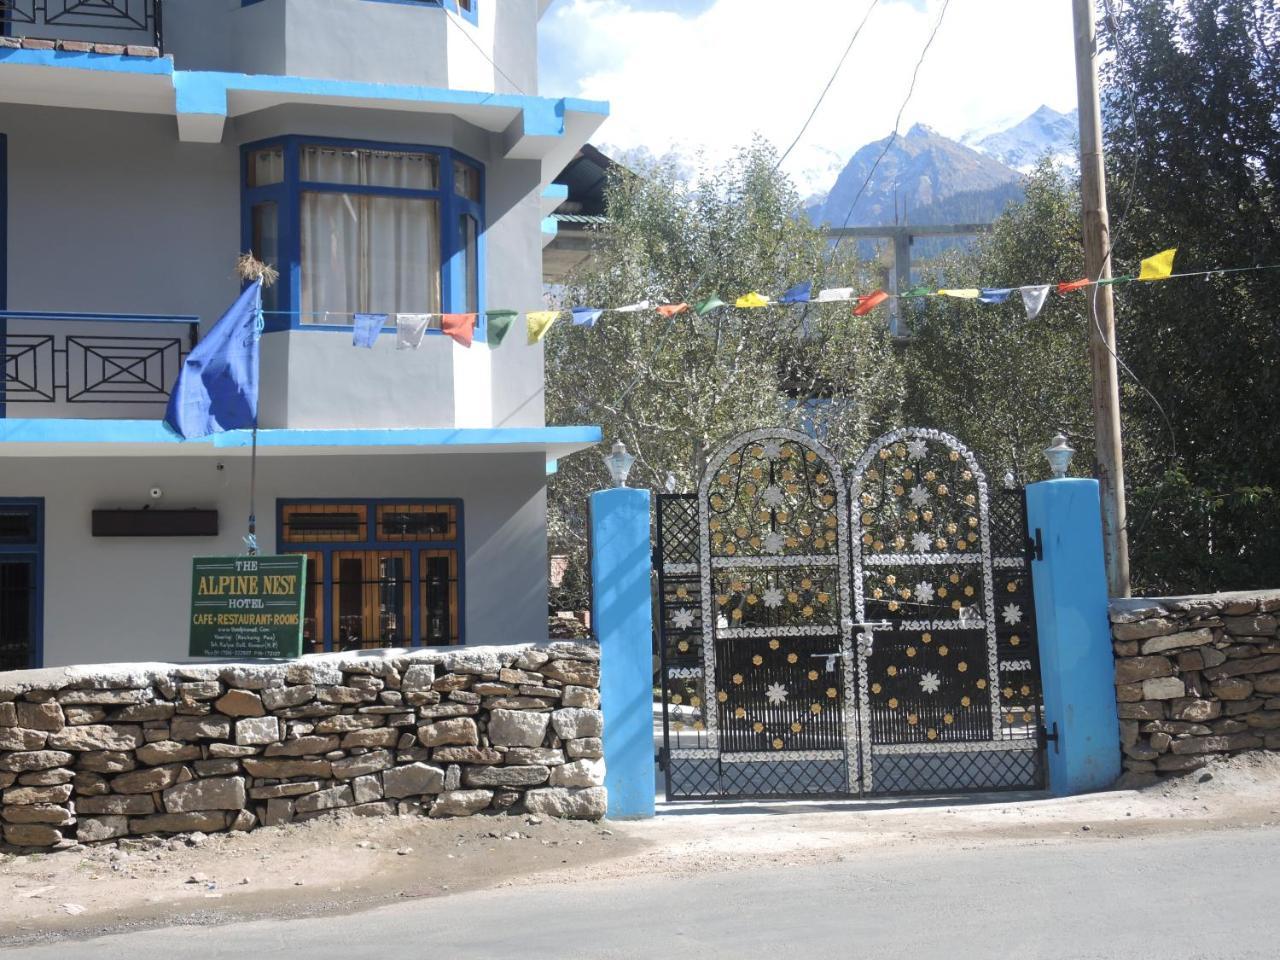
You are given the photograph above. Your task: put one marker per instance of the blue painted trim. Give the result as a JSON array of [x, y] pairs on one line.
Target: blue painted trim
[[286, 195], [622, 618], [183, 319], [1077, 665], [4, 267], [557, 191], [550, 227], [372, 542], [103, 62], [154, 431], [35, 554]]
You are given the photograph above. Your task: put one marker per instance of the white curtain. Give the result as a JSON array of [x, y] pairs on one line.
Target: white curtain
[[363, 253]]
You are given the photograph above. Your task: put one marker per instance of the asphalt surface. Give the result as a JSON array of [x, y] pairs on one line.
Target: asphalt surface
[[1174, 898]]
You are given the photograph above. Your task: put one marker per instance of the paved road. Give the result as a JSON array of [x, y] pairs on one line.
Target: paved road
[[1206, 896]]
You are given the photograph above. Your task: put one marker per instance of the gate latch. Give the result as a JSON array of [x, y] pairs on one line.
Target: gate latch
[[1035, 545], [1050, 735]]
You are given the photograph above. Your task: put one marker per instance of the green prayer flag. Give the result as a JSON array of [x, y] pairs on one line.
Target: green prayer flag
[[706, 306], [499, 322], [918, 292]]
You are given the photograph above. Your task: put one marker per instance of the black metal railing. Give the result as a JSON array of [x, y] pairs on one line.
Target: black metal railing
[[127, 22], [109, 367]]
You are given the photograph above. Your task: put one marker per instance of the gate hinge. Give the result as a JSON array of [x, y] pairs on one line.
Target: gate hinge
[[660, 758], [1035, 546], [1049, 736], [655, 560]]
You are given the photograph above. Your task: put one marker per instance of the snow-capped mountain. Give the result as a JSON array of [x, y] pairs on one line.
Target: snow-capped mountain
[[1022, 145]]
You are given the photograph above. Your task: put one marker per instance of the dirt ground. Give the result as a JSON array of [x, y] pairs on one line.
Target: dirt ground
[[348, 863]]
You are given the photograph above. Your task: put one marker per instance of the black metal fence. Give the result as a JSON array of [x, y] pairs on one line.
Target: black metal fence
[[127, 22]]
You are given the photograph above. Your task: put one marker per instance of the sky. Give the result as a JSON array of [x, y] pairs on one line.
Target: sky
[[705, 75]]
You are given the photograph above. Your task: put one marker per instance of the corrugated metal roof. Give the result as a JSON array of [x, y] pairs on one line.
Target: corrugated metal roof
[[582, 218]]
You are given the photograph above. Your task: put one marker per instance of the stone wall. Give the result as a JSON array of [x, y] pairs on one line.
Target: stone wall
[[1196, 677], [92, 753]]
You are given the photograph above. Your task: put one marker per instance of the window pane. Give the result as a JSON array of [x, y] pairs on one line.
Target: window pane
[[266, 247], [376, 168], [321, 523], [368, 254], [17, 524], [415, 521], [471, 265], [466, 180], [266, 166], [371, 599], [313, 605], [439, 573]]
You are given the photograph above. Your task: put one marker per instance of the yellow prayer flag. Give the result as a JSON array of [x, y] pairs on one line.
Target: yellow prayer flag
[[964, 294], [540, 322], [751, 301], [1159, 267]]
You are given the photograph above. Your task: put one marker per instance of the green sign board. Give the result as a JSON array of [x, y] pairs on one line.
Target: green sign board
[[247, 606]]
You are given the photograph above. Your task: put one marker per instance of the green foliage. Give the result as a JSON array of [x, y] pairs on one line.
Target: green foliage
[[674, 390]]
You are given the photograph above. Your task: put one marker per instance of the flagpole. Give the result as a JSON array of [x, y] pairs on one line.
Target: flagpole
[[253, 493]]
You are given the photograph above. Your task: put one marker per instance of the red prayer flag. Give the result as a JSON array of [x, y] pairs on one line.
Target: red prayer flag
[[460, 326], [672, 309], [865, 305], [1073, 285]]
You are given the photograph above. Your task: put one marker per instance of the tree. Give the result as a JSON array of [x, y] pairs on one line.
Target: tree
[[1193, 151], [674, 389]]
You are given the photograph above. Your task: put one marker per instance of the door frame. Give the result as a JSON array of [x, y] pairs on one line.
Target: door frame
[[35, 554]]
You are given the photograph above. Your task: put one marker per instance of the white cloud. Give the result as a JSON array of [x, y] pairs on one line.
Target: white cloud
[[710, 79]]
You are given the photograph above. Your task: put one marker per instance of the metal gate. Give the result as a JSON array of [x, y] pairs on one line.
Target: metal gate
[[766, 575]]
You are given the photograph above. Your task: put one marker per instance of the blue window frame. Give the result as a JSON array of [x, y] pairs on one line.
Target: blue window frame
[[21, 583], [383, 218], [380, 573], [464, 8], [4, 257]]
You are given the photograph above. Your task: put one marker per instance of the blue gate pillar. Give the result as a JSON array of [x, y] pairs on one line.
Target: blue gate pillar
[[622, 616], [1076, 663]]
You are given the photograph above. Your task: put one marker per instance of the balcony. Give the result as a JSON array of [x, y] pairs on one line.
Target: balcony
[[120, 27], [91, 365]]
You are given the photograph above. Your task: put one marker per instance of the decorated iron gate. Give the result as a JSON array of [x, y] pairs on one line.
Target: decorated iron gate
[[815, 638]]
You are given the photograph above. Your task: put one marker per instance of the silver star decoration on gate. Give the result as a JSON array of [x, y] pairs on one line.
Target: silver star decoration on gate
[[920, 542], [929, 682], [1012, 614], [772, 449], [772, 496], [772, 598], [683, 619], [924, 591], [773, 542], [916, 449], [776, 694], [919, 496]]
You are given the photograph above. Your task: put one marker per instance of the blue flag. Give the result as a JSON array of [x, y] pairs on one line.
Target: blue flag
[[800, 293], [585, 316], [217, 387], [366, 330], [994, 295]]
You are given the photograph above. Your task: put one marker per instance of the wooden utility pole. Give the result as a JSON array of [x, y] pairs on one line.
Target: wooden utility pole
[[1102, 320]]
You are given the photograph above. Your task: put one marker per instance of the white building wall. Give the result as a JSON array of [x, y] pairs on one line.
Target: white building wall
[[112, 599]]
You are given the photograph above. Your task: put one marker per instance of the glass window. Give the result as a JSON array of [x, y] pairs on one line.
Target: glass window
[[266, 246], [370, 168], [362, 594], [266, 167], [18, 525], [466, 180], [369, 254], [467, 246]]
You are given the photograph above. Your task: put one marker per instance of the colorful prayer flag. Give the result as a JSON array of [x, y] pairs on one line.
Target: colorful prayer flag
[[366, 327], [800, 293], [751, 301], [585, 316], [634, 307], [1070, 285], [499, 323], [968, 293], [835, 294], [994, 294], [409, 330], [540, 322], [460, 326], [1159, 267], [1033, 299], [868, 303], [707, 305], [670, 310], [917, 292]]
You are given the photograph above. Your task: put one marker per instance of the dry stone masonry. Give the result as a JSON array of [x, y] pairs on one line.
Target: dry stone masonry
[[1196, 677], [91, 754]]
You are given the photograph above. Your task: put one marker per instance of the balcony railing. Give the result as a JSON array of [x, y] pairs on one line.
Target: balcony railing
[[82, 368], [74, 23]]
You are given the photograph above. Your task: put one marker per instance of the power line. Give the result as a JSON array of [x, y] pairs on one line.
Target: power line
[[827, 89], [471, 40]]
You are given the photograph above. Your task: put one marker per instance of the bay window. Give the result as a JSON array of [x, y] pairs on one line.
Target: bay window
[[355, 228]]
